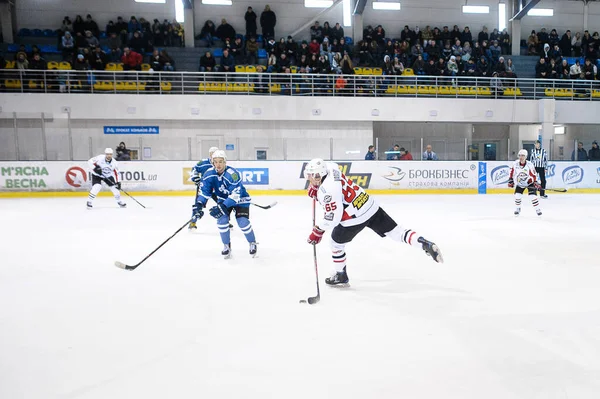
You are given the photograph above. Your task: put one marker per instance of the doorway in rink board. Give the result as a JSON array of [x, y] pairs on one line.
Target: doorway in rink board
[[204, 143]]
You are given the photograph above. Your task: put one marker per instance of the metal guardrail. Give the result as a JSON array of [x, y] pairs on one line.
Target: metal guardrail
[[293, 84]]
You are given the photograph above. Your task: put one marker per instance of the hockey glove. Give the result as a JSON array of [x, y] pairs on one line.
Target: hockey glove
[[196, 179], [218, 211], [312, 191], [197, 211], [98, 170], [537, 185], [315, 236], [511, 183], [118, 185], [109, 181]]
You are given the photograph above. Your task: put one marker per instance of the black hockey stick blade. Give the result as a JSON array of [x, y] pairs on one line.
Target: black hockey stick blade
[[129, 195], [123, 266], [558, 190], [265, 206]]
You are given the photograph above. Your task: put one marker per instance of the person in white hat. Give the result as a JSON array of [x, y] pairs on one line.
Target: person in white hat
[[104, 169]]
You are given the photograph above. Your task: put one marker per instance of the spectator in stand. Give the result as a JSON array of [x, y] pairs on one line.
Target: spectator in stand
[[370, 156], [594, 154], [393, 154], [169, 63], [167, 33], [368, 34], [532, 43], [553, 38], [457, 48], [511, 71], [225, 31], [251, 51], [268, 20], [452, 68], [281, 47], [207, 63], [91, 25], [429, 155], [114, 44], [460, 65], [500, 67], [440, 67], [137, 43], [445, 36], [237, 51], [325, 49], [483, 67], [337, 32], [37, 64], [132, 27], [314, 47], [316, 32], [283, 63], [251, 27], [432, 50], [495, 51], [588, 70], [504, 42], [430, 68], [419, 66], [80, 41], [405, 155], [81, 63], [336, 63], [471, 68], [304, 62], [92, 41], [208, 32], [99, 59], [398, 67], [21, 61], [543, 37], [67, 26], [379, 35], [554, 69], [466, 36], [347, 66], [581, 153], [123, 154], [156, 62], [565, 44], [131, 60], [584, 42], [542, 69], [347, 48], [496, 86], [565, 69], [426, 36], [576, 44], [227, 62], [388, 65], [157, 32], [111, 28], [547, 53], [575, 71], [271, 46], [466, 51], [556, 54], [78, 25], [326, 30], [494, 36], [291, 49], [121, 26], [455, 34], [68, 46], [483, 36]]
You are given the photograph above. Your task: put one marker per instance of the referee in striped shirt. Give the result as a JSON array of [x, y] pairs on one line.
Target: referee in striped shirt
[[539, 159]]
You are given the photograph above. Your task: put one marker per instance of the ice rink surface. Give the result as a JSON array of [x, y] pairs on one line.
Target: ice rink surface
[[513, 313]]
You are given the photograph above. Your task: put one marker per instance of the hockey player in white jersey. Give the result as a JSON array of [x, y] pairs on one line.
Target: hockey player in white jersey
[[523, 176], [105, 169], [348, 210]]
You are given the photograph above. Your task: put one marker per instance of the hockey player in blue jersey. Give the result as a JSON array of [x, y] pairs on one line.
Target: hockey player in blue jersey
[[197, 172], [226, 184]]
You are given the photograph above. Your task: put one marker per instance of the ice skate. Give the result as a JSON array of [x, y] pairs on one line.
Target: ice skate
[[192, 226], [253, 249], [89, 205], [339, 280], [517, 211], [431, 250], [544, 196], [122, 204], [226, 252], [539, 212]]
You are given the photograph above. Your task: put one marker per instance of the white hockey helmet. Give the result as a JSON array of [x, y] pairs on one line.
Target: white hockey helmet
[[212, 150], [219, 154], [108, 151], [523, 152], [315, 166]]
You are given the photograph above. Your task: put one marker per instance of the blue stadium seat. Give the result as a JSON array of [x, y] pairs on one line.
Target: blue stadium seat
[[37, 33], [49, 49], [425, 56], [240, 36], [13, 48], [262, 53], [259, 38], [349, 40], [24, 32], [218, 52], [49, 33], [106, 49], [103, 35]]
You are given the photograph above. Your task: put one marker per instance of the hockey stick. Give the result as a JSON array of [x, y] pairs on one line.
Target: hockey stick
[[265, 206], [128, 267], [314, 299], [139, 203], [558, 190]]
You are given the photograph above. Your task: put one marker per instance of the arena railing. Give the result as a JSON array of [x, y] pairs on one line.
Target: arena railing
[[293, 84]]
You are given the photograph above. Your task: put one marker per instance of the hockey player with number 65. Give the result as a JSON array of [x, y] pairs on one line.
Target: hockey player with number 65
[[524, 174], [196, 176], [105, 169], [348, 210]]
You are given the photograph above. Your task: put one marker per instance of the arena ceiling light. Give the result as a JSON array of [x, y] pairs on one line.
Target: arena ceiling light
[[541, 12], [347, 12], [318, 3], [501, 16], [179, 11], [386, 5], [151, 1], [217, 2], [475, 9]]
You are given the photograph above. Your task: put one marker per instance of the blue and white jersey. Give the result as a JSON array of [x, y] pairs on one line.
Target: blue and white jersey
[[200, 168], [227, 187]]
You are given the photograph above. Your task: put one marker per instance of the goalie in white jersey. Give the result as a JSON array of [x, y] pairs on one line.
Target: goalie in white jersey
[[349, 209], [105, 169], [523, 175]]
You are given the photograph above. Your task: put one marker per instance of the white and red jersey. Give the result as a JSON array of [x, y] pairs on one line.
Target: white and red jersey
[[109, 169], [523, 174], [343, 201]]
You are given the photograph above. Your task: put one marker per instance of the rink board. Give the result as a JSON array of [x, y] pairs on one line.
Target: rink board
[[65, 178]]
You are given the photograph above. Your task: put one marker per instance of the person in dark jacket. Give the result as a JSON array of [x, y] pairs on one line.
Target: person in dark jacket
[[225, 31], [237, 51], [207, 63], [208, 32], [370, 156], [581, 153], [123, 154], [250, 18], [291, 48], [78, 25], [466, 36], [483, 36], [99, 59], [565, 44], [594, 154], [227, 62], [268, 20], [91, 25], [542, 69], [337, 32]]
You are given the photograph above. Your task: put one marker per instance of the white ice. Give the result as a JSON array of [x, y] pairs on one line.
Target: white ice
[[513, 313]]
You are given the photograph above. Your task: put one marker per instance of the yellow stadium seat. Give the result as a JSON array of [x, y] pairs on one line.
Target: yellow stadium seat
[[358, 71], [166, 86], [377, 71], [250, 69], [596, 93], [402, 89], [424, 90], [120, 66], [443, 90], [240, 68], [411, 89], [111, 66], [294, 69], [102, 85], [146, 67], [549, 92], [391, 89], [367, 71], [65, 66], [10, 64], [467, 91], [563, 93], [275, 88], [12, 84], [512, 92], [408, 72], [120, 85], [53, 65], [483, 91], [215, 86]]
